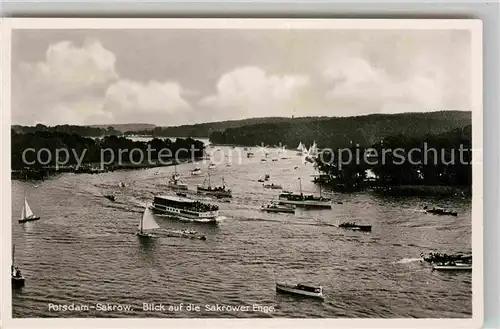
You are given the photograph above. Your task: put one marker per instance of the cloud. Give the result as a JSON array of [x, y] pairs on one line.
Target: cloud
[[80, 85], [251, 92], [362, 85], [70, 68]]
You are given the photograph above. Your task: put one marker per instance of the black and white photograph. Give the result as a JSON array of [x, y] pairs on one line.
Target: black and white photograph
[[243, 168]]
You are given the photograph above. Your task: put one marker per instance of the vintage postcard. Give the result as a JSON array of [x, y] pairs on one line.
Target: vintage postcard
[[253, 169]]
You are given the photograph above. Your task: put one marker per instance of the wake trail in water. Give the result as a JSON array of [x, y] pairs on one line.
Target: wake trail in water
[[408, 260]]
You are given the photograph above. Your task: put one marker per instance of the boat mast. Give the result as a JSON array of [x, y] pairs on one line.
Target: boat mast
[[300, 185], [142, 219]]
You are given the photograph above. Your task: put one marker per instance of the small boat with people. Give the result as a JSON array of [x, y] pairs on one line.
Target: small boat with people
[[217, 191], [440, 211], [184, 233], [27, 214], [17, 278], [146, 224], [300, 289], [356, 227], [276, 207], [438, 258], [185, 208]]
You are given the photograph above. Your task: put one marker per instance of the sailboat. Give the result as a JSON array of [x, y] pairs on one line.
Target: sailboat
[[147, 223], [175, 182], [300, 148], [27, 214], [17, 278]]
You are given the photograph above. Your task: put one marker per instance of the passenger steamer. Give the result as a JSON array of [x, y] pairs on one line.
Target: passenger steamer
[[186, 209], [304, 200]]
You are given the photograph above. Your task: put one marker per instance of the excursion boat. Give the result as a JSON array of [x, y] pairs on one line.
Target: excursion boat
[[147, 224], [304, 200], [27, 214], [17, 277], [273, 207], [185, 208], [301, 289], [453, 266], [356, 227], [218, 191], [440, 211]]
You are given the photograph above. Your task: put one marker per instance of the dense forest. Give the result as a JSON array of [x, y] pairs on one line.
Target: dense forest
[[204, 130], [439, 159], [68, 129], [340, 131], [76, 144]]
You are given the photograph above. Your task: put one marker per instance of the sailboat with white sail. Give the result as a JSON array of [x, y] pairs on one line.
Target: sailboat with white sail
[[27, 214], [147, 224], [300, 148]]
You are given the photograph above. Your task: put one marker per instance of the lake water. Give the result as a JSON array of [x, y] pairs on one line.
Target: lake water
[[84, 250]]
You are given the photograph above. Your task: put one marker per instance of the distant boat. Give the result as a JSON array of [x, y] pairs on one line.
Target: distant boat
[[301, 289], [300, 148], [218, 191], [356, 227], [110, 197], [17, 278], [440, 211], [27, 214], [263, 160], [305, 200], [175, 184], [211, 166], [273, 186], [273, 207], [146, 224], [196, 171]]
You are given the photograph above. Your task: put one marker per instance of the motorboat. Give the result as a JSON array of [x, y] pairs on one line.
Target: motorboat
[[274, 207], [300, 289]]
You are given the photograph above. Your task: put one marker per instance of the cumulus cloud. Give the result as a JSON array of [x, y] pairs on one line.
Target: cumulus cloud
[[80, 85], [362, 85], [251, 92]]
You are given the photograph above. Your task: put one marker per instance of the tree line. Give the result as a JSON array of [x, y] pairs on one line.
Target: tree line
[[93, 148]]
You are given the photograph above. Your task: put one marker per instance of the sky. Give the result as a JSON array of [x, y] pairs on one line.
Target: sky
[[172, 77]]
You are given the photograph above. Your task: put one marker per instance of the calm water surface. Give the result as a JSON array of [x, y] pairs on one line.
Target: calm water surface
[[84, 251]]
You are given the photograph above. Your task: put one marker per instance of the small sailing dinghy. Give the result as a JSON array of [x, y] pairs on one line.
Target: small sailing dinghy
[[147, 224], [27, 214], [17, 278], [300, 289]]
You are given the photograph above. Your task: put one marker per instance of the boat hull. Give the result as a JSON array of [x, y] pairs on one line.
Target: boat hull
[[17, 282], [452, 267], [276, 210], [283, 288], [206, 217], [29, 219], [220, 194], [145, 235], [308, 204]]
